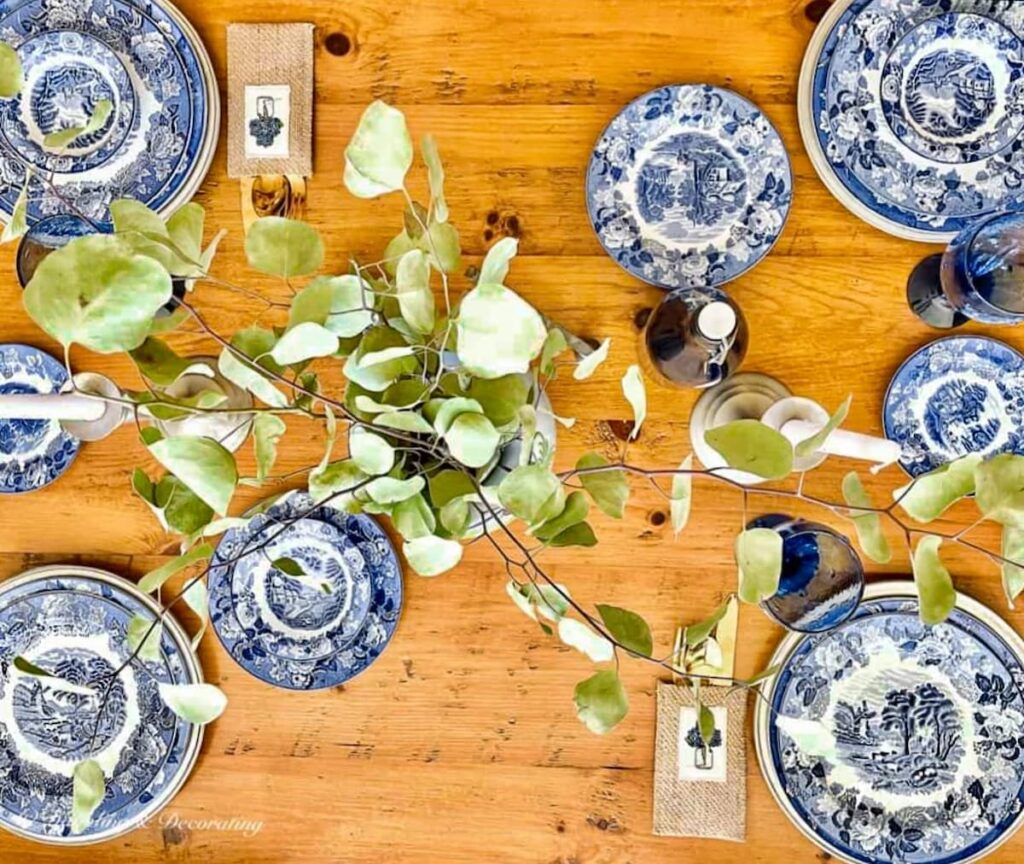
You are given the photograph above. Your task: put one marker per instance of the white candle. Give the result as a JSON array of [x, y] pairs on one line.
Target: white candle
[[50, 406]]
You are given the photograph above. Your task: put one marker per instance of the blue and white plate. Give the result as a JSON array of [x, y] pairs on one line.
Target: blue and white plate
[[317, 631], [912, 113], [33, 453], [144, 58], [689, 186], [953, 397], [886, 740], [72, 622]]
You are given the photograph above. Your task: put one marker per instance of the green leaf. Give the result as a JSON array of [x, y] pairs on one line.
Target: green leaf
[[578, 535], [341, 304], [751, 446], [706, 724], [549, 600], [500, 398], [29, 668], [17, 225], [443, 246], [371, 453], [759, 558], [305, 342], [498, 332], [412, 287], [435, 176], [934, 585], [1000, 487], [554, 344], [578, 635], [379, 376], [601, 701], [405, 421], [379, 154], [1013, 573], [575, 511], [283, 247], [155, 579], [195, 703], [930, 495], [206, 467], [533, 493], [336, 479], [248, 377], [628, 629], [390, 490], [609, 489], [11, 76], [88, 788], [472, 439], [144, 637], [452, 408], [431, 556], [413, 518], [682, 496], [198, 600], [267, 430], [818, 439], [185, 231], [869, 525], [375, 358], [495, 265], [587, 366], [175, 505], [636, 394], [448, 485], [62, 137], [159, 364], [696, 634], [288, 566], [143, 230], [97, 292]]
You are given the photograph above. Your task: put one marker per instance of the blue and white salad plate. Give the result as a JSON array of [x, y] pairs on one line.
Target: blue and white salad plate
[[146, 60], [689, 186], [953, 397], [72, 622], [885, 740], [912, 111], [319, 630], [33, 453]]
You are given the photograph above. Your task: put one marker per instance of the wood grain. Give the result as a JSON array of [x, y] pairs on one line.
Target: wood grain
[[461, 744]]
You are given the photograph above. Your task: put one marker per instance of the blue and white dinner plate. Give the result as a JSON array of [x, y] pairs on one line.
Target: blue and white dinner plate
[[689, 186], [294, 633], [143, 57], [72, 621], [915, 751], [953, 397], [912, 113], [33, 453]]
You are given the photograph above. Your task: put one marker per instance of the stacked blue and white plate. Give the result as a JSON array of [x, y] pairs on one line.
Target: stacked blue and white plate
[[73, 622], [146, 60], [324, 622]]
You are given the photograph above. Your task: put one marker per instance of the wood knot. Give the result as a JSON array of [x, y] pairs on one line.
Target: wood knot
[[498, 224], [816, 9], [338, 44], [621, 428], [657, 518]]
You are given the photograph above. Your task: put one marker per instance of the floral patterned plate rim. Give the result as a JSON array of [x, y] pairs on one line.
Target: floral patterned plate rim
[[955, 396], [73, 621], [294, 633], [918, 750], [143, 57], [911, 111], [33, 453], [689, 186]]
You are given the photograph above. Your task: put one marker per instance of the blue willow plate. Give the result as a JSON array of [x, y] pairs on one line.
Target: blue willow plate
[[912, 113], [72, 621], [689, 186], [920, 757], [143, 58], [33, 453], [292, 633], [955, 396]]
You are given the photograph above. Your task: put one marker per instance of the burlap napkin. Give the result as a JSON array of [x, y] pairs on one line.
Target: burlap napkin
[[700, 791], [270, 82]]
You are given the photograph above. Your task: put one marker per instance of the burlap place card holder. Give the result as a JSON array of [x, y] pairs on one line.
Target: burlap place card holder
[[270, 99], [700, 791]]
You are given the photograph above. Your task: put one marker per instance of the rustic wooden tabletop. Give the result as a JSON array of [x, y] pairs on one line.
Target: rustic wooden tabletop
[[461, 744]]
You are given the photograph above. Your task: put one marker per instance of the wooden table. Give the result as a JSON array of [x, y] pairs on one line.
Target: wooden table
[[461, 744]]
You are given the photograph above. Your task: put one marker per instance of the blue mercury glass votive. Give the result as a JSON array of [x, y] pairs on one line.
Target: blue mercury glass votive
[[822, 579]]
